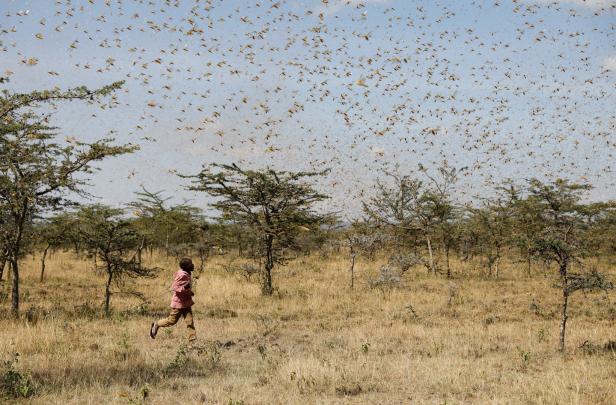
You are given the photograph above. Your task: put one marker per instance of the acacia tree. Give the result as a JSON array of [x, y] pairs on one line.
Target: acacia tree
[[493, 226], [439, 212], [163, 225], [113, 241], [525, 223], [396, 207], [37, 170], [4, 237], [413, 207], [360, 239], [563, 238], [276, 206], [54, 233]]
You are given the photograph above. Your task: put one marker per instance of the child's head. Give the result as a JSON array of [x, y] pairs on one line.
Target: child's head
[[187, 265]]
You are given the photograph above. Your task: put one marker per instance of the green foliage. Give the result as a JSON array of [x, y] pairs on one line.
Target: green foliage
[[563, 237], [57, 231], [112, 241], [211, 354], [276, 206], [541, 335], [16, 384], [492, 224], [193, 359], [36, 169], [525, 357], [414, 210], [123, 349], [365, 347], [180, 362], [176, 228], [560, 238]]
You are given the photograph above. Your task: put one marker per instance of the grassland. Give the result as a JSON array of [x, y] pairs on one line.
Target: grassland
[[471, 339]]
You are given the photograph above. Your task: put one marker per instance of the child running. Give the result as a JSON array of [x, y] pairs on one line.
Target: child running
[[181, 302]]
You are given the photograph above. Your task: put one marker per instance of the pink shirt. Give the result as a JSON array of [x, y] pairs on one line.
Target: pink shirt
[[182, 295]]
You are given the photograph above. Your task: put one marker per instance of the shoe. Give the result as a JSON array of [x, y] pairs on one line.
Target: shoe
[[153, 330]]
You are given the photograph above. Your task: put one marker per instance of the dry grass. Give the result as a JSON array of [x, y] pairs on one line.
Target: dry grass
[[471, 339]]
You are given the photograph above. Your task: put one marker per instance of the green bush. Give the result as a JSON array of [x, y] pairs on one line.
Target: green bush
[[15, 384]]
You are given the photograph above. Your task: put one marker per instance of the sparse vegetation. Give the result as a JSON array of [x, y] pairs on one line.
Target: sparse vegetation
[[314, 342], [386, 201]]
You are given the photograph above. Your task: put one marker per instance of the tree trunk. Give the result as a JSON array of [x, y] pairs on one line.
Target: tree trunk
[[528, 262], [202, 257], [352, 270], [43, 262], [564, 270], [14, 250], [266, 282], [497, 261], [564, 316], [15, 286], [431, 254], [447, 262], [3, 262], [108, 291], [489, 262], [142, 245]]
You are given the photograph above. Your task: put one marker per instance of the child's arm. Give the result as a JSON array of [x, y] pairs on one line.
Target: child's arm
[[182, 284]]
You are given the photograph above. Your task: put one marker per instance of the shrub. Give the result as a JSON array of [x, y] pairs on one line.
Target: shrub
[[404, 262], [180, 362], [35, 314], [387, 280], [210, 353], [15, 384]]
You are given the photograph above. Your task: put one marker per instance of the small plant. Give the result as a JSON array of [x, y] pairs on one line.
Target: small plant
[[249, 270], [454, 295], [525, 357], [211, 354], [404, 262], [144, 392], [141, 309], [349, 390], [15, 384], [535, 308], [365, 348], [266, 325], [437, 348], [590, 348], [86, 310], [180, 361], [262, 351], [141, 398], [34, 314], [541, 335], [188, 359], [387, 280], [123, 349]]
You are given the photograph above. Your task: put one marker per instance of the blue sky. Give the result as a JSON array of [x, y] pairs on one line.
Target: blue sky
[[507, 89]]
